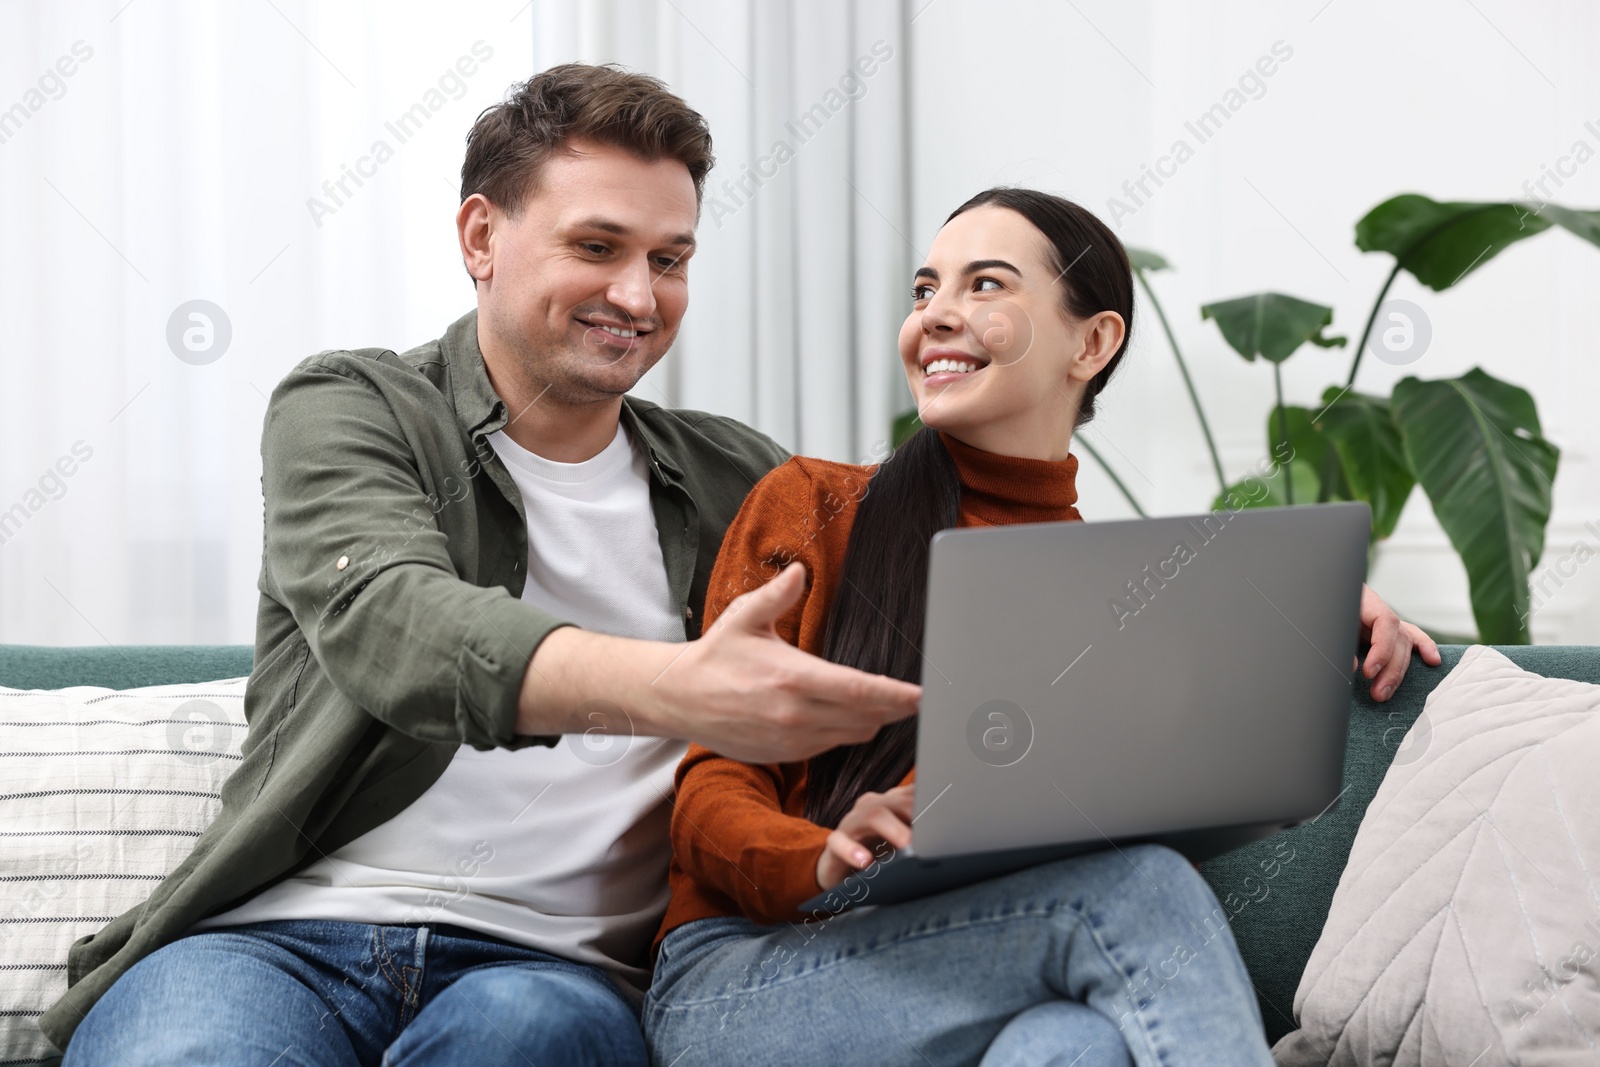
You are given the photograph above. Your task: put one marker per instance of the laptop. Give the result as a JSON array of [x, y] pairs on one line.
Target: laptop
[[1089, 685]]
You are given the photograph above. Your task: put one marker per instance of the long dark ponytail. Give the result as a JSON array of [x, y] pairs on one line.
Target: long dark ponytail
[[876, 621]]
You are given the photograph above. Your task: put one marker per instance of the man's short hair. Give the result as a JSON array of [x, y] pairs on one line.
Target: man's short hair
[[510, 141]]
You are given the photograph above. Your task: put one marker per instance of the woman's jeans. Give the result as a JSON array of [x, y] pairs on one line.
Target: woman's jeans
[[1118, 957], [299, 993]]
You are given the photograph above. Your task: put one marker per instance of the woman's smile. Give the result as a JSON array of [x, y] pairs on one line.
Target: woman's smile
[[942, 365]]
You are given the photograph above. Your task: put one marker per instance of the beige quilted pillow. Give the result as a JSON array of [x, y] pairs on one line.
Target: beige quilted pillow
[[102, 793], [1466, 927]]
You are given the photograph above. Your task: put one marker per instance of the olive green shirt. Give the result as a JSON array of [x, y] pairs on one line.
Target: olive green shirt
[[391, 629]]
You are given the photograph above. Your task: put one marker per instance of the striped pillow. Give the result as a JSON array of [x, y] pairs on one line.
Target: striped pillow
[[102, 793]]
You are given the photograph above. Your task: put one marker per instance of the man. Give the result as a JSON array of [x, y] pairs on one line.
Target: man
[[390, 877]]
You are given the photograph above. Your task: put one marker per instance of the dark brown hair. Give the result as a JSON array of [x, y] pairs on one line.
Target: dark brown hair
[[876, 622], [510, 141]]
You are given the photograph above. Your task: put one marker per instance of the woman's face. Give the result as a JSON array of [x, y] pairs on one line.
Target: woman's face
[[989, 352]]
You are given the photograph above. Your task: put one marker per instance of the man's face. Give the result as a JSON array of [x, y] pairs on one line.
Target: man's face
[[588, 283]]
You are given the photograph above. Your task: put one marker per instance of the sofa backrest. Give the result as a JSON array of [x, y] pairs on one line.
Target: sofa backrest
[[1276, 892], [120, 666]]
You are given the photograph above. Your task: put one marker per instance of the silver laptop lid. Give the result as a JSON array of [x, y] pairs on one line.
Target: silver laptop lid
[[1106, 680]]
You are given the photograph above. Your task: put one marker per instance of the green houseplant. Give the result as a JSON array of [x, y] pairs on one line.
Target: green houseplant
[[1473, 443]]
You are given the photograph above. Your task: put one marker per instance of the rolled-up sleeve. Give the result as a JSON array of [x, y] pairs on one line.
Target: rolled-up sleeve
[[354, 550]]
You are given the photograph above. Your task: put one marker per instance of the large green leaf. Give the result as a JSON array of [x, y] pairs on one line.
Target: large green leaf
[[1585, 224], [1371, 456], [1441, 243], [1476, 447], [1306, 442], [1270, 325], [1144, 259]]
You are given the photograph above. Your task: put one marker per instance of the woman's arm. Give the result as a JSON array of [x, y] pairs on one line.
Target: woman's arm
[[729, 833], [729, 830]]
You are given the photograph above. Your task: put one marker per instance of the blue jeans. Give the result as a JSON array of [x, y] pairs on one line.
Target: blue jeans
[[1118, 957], [299, 993]]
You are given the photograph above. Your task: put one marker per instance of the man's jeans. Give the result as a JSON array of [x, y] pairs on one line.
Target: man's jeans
[[1122, 956], [299, 993]]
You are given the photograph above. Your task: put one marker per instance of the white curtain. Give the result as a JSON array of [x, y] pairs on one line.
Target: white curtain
[[180, 161], [161, 152]]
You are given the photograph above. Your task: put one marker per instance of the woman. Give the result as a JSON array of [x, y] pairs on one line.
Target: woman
[[1019, 317]]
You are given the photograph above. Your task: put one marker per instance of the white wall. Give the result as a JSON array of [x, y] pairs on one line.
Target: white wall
[[1448, 99], [179, 159]]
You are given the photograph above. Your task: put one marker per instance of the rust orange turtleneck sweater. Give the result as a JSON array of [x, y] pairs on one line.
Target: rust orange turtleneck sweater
[[739, 843]]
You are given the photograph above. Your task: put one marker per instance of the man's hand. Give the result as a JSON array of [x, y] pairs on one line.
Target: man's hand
[[740, 690], [745, 692], [876, 818], [1391, 642]]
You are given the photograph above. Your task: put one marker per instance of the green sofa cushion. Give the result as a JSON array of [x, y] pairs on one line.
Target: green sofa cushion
[[1277, 909]]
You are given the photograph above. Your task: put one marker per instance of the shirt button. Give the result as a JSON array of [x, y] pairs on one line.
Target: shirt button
[[344, 561], [688, 613]]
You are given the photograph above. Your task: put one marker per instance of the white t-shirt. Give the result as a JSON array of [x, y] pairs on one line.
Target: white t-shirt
[[562, 849]]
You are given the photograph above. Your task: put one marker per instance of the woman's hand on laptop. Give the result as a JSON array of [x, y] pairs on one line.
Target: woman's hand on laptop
[[877, 819], [1390, 642]]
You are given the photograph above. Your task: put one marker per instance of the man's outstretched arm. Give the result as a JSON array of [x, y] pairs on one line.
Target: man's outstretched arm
[[354, 551], [740, 689], [744, 692]]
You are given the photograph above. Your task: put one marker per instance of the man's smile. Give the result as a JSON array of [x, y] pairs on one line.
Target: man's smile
[[609, 333]]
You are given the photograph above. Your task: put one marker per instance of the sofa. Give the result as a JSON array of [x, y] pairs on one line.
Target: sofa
[[1276, 891]]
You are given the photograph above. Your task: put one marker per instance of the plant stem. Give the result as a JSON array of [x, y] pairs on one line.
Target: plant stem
[[1194, 397], [1283, 431], [1098, 458], [1399, 262], [1372, 316]]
